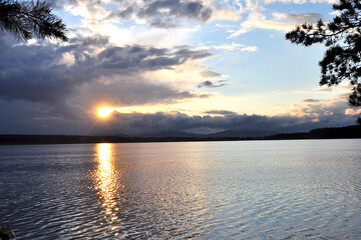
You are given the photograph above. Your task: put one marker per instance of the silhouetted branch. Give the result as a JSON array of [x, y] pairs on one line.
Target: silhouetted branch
[[342, 36], [23, 19]]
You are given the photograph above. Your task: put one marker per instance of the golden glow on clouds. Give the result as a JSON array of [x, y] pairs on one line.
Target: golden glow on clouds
[[106, 111], [196, 106], [262, 104], [350, 111], [185, 76]]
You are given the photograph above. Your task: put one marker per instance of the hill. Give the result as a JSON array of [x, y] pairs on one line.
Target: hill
[[321, 133]]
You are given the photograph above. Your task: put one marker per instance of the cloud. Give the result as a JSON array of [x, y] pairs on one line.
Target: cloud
[[297, 18], [310, 100], [220, 112], [232, 47], [157, 13], [145, 58], [49, 88], [165, 13], [20, 116], [316, 90], [90, 70], [24, 117], [210, 74], [134, 92], [210, 84], [335, 13], [250, 49], [138, 124], [351, 111], [301, 1], [256, 19], [38, 120], [334, 105]]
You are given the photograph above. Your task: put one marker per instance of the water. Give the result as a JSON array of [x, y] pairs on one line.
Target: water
[[202, 190]]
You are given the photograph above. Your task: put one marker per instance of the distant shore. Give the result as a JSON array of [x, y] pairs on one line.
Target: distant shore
[[320, 133]]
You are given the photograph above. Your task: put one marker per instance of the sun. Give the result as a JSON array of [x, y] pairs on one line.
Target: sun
[[103, 112]]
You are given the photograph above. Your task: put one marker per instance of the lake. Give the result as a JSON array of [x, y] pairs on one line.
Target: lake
[[302, 189]]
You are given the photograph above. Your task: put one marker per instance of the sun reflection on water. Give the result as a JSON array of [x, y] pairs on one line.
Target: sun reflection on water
[[107, 184]]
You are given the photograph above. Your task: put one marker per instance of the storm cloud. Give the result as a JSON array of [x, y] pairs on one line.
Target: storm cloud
[[47, 88], [89, 69], [210, 84], [220, 112], [138, 124], [167, 12], [38, 120]]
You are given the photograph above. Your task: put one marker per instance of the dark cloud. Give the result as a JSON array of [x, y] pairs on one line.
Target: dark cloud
[[24, 117], [138, 124], [157, 13], [21, 116], [225, 80], [210, 84], [166, 13], [135, 92], [130, 59], [220, 112], [29, 73], [188, 51], [89, 43], [39, 73]]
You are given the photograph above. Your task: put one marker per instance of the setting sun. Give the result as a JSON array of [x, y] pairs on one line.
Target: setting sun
[[103, 112]]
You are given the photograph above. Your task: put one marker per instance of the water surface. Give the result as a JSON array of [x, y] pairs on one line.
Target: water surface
[[202, 190]]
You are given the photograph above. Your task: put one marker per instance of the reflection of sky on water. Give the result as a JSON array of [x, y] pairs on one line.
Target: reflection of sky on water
[[215, 190], [106, 182]]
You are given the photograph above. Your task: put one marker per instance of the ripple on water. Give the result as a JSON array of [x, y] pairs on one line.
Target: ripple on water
[[224, 190]]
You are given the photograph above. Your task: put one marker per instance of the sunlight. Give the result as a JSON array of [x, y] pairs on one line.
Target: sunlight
[[106, 180], [104, 154], [103, 112]]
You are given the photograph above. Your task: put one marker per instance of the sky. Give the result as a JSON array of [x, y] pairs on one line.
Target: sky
[[200, 66]]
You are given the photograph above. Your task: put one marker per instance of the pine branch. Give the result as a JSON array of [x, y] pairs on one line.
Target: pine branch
[[342, 36], [25, 19]]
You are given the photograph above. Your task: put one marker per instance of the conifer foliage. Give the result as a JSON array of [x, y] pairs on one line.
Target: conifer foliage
[[342, 37], [27, 18]]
